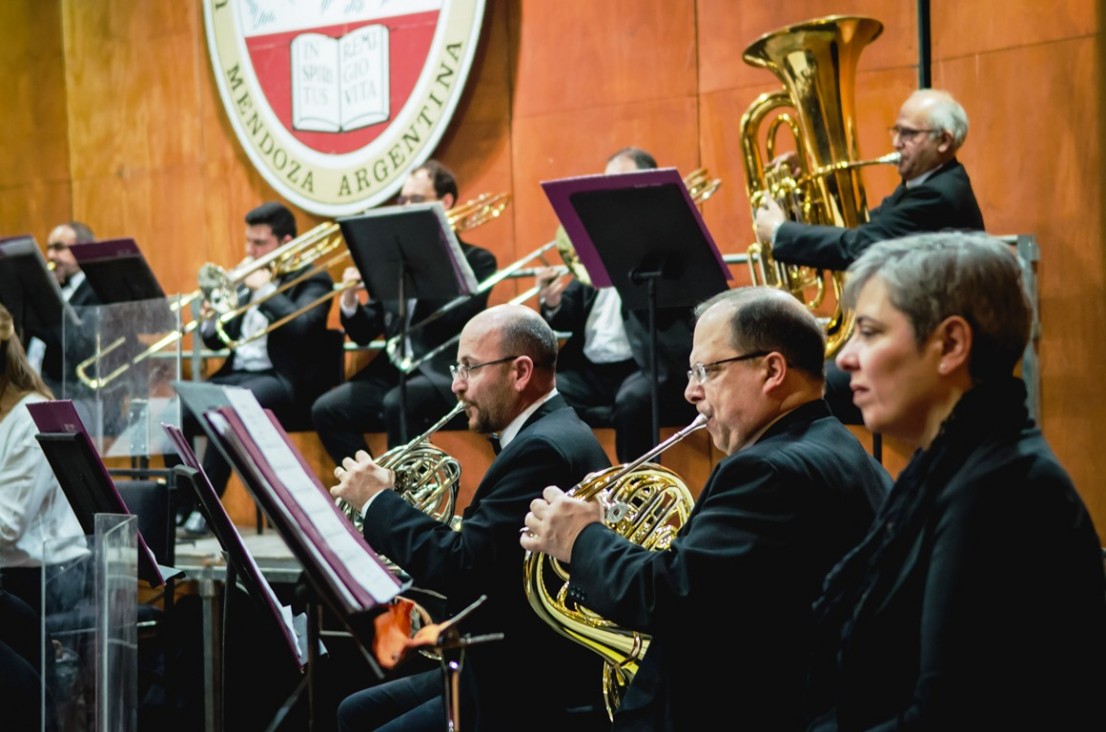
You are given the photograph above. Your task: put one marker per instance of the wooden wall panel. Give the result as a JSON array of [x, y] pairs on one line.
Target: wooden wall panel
[[1036, 168], [114, 117], [34, 179]]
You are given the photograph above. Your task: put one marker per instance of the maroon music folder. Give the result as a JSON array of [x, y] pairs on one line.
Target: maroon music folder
[[83, 476]]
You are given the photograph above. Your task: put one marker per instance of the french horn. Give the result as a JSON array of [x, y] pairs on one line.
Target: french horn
[[426, 476], [816, 61], [643, 502]]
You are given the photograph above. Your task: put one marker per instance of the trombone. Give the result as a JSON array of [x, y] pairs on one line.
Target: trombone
[[469, 215], [219, 288]]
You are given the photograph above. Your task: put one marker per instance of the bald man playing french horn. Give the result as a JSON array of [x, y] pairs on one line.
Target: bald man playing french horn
[[505, 378]]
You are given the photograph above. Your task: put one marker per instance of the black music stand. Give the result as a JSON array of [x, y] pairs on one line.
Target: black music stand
[[241, 567], [27, 288], [117, 271], [84, 479], [642, 234], [341, 570], [408, 252]]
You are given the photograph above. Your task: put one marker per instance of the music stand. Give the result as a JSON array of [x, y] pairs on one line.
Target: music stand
[[117, 271], [84, 479], [27, 288], [407, 252], [240, 566], [642, 234]]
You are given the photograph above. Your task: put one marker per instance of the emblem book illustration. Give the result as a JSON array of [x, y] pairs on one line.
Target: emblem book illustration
[[340, 84]]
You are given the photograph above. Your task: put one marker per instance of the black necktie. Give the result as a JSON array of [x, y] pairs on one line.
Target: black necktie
[[494, 440]]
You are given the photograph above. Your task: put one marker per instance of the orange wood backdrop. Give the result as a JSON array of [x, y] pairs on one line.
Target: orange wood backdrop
[[113, 118]]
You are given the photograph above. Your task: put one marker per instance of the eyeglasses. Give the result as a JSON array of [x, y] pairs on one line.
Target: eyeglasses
[[700, 372], [402, 200], [906, 134], [463, 371]]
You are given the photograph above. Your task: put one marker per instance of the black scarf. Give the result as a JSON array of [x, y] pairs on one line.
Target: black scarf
[[989, 410]]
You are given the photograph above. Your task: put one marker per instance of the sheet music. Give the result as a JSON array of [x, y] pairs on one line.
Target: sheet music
[[321, 511], [318, 560]]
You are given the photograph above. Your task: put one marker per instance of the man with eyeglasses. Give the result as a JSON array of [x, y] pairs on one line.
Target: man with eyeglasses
[[795, 492], [935, 192], [533, 678], [44, 347], [371, 400]]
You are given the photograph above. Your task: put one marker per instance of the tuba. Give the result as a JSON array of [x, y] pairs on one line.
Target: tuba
[[646, 504], [816, 61], [426, 476]]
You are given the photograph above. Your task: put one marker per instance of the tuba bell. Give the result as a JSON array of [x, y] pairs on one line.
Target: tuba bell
[[646, 504], [426, 476], [816, 61]]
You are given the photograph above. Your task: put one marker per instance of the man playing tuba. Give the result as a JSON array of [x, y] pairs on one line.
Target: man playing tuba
[[935, 194], [796, 491]]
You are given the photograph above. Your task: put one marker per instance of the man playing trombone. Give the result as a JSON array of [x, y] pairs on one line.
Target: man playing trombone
[[533, 678], [370, 401], [796, 491], [283, 368], [603, 370], [44, 348]]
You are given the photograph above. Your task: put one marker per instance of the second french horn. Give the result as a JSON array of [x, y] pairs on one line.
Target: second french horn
[[644, 503]]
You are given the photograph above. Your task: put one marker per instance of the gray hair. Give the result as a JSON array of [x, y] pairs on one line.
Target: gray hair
[[930, 277], [945, 114], [768, 319]]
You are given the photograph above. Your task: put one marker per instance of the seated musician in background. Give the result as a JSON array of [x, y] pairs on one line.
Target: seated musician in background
[[370, 401], [728, 606], [977, 599], [44, 347], [283, 368], [533, 679], [935, 194], [605, 362]]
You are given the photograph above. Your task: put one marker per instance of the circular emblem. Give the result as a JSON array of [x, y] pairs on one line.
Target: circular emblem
[[334, 102]]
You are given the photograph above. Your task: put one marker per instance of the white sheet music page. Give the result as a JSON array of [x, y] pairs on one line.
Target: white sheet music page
[[357, 557]]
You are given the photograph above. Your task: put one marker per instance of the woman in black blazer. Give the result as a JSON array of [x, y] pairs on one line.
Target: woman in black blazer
[[977, 600]]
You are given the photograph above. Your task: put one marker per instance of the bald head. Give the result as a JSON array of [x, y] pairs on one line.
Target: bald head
[[508, 356]]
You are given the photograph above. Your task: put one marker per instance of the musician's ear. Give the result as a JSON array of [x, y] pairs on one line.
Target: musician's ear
[[448, 200], [774, 369], [523, 367]]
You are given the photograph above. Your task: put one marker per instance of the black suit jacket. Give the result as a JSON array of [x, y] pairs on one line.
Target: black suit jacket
[[296, 348], [943, 201], [729, 604], [993, 613], [52, 358], [378, 317], [529, 678], [674, 329]]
